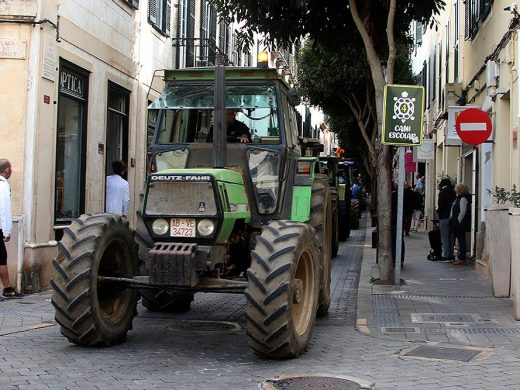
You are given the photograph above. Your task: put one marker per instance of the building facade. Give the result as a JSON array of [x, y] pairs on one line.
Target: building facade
[[469, 58], [78, 77]]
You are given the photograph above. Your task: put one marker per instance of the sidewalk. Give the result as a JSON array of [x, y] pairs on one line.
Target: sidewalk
[[440, 302], [23, 314]]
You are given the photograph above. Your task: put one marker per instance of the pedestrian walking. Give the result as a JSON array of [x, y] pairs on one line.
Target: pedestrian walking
[[446, 199], [117, 190], [417, 209], [6, 223], [460, 220]]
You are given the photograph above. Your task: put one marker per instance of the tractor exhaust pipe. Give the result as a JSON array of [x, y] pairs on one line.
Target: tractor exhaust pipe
[[219, 119]]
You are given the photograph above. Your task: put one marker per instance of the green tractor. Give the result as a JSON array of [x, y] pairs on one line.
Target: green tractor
[[216, 216], [346, 217]]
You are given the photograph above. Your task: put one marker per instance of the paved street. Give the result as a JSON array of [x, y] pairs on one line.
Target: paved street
[[206, 348]]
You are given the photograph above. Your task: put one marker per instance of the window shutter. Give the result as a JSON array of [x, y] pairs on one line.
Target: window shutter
[[190, 34], [168, 18], [418, 33], [152, 11], [467, 13], [203, 20]]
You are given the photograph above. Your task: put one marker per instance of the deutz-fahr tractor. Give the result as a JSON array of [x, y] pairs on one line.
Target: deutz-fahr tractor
[[217, 215]]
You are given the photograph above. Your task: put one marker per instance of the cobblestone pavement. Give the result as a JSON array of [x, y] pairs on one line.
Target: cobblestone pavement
[[199, 351]]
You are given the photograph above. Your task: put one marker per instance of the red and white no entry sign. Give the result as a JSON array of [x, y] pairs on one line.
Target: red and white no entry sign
[[473, 126]]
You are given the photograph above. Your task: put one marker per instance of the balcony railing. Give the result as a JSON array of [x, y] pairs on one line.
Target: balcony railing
[[201, 52]]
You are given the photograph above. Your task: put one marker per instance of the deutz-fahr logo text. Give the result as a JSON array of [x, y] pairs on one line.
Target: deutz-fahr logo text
[[180, 178]]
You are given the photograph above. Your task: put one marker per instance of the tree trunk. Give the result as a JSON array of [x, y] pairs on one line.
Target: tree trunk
[[384, 167]]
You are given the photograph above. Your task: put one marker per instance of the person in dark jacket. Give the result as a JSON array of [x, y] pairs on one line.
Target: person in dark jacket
[[445, 201], [460, 219]]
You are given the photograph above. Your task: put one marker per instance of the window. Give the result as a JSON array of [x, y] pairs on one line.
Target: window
[[186, 34], [476, 12], [187, 113], [159, 15], [117, 125], [208, 34], [424, 76], [69, 200], [456, 45], [418, 33], [132, 3]]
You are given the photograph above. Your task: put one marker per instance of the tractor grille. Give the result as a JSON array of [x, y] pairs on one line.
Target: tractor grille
[[181, 198]]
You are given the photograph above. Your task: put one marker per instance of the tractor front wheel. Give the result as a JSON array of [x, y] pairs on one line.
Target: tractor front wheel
[[282, 290], [92, 312]]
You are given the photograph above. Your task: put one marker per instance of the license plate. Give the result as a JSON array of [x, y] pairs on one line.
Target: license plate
[[182, 227]]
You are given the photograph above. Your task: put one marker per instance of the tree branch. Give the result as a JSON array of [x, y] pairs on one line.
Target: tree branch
[[362, 128], [391, 42], [373, 58]]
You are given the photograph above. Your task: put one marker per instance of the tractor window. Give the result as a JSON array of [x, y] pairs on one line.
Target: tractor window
[[264, 167], [187, 113]]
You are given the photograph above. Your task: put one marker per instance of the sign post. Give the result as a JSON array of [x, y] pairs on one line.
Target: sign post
[[402, 126]]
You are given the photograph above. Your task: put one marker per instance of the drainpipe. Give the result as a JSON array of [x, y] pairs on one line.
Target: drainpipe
[[20, 253]]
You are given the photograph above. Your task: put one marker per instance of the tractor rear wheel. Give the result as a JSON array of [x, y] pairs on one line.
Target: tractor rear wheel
[[89, 311], [166, 301], [282, 290], [321, 220]]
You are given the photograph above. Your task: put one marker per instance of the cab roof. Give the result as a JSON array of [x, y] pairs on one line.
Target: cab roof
[[232, 73]]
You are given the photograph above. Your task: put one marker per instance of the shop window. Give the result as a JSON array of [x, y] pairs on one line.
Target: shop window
[[70, 144]]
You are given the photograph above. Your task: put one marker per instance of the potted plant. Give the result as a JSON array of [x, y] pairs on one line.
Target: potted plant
[[499, 242]]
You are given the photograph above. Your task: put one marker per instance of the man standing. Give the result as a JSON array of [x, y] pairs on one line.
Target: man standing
[[6, 223], [117, 191]]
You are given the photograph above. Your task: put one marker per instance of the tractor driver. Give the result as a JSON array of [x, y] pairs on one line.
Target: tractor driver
[[237, 131]]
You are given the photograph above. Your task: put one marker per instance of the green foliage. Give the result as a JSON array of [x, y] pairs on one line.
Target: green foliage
[[326, 77], [327, 21], [501, 196]]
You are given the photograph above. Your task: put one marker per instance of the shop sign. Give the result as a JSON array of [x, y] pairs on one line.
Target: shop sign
[[426, 150], [403, 115], [71, 83]]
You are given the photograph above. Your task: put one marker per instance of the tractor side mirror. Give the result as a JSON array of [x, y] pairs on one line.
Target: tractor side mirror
[[294, 97]]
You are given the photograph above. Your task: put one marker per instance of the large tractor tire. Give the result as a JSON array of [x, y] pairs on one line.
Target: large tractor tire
[[282, 290], [321, 220], [89, 311], [335, 221], [354, 214], [166, 301], [344, 221]]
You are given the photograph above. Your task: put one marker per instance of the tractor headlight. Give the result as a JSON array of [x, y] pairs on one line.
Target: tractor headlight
[[206, 227], [160, 226]]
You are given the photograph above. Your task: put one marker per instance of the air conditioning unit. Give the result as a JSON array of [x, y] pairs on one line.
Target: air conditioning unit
[[492, 73]]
